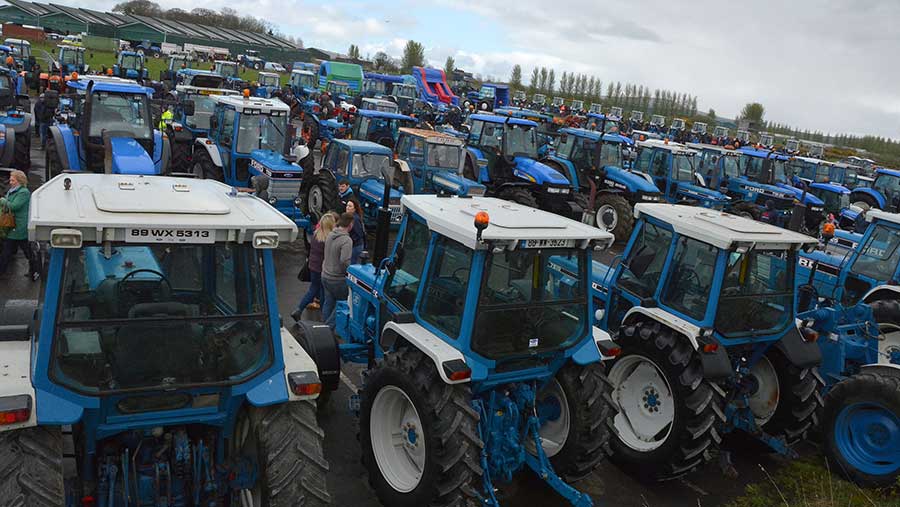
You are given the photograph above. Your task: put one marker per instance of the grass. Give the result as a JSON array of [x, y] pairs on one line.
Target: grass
[[808, 483], [97, 59]]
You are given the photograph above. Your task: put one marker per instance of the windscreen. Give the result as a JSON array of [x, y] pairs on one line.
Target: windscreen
[[520, 312], [880, 256], [265, 80], [888, 185], [131, 61], [124, 115], [757, 295], [227, 69], [160, 316], [371, 165], [72, 57], [204, 106], [683, 167], [261, 132], [445, 156], [520, 141]]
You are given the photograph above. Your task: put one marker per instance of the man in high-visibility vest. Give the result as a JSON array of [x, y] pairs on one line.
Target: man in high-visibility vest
[[169, 115]]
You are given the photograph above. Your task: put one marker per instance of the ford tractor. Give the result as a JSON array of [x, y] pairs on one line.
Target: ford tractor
[[595, 108], [249, 146], [434, 162], [25, 60], [200, 78], [766, 140], [703, 307], [267, 84], [177, 62], [792, 146], [519, 99], [488, 97], [743, 137], [15, 122], [154, 361], [502, 156], [111, 128], [231, 72], [379, 127], [884, 194], [130, 65], [720, 136], [251, 60], [539, 102], [405, 96], [698, 133], [474, 368], [577, 106], [636, 119], [674, 170], [597, 167], [68, 63], [304, 84], [380, 105], [676, 131], [193, 108]]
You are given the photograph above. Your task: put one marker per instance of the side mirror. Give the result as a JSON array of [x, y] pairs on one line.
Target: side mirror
[[187, 107]]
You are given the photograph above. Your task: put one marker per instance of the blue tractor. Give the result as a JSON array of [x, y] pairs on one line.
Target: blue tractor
[[703, 307], [251, 60], [433, 160], [177, 62], [156, 339], [130, 65], [249, 146], [884, 194], [379, 126], [487, 98], [597, 166], [475, 370], [674, 170], [304, 84], [25, 60], [502, 156], [15, 122], [193, 108], [267, 84], [231, 72], [111, 129]]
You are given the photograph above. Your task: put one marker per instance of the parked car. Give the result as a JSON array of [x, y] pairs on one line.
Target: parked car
[[275, 67]]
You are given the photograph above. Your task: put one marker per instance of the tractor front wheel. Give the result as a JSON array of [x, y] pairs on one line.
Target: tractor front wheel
[[31, 467], [419, 435], [322, 195], [887, 314], [287, 445], [518, 195], [862, 428], [613, 214], [181, 157], [667, 411], [204, 168]]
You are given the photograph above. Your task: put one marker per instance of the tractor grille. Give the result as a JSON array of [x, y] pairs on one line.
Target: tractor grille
[[396, 214], [284, 188]]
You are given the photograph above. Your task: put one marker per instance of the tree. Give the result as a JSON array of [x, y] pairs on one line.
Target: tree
[[384, 62], [711, 114], [138, 7], [535, 80], [353, 52], [542, 84], [551, 80], [413, 56], [753, 112], [564, 84], [449, 66], [515, 79]]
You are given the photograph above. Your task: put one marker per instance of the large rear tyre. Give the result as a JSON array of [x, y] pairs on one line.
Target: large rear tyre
[[797, 398], [322, 195], [181, 157], [861, 423], [22, 151], [887, 315], [518, 195], [613, 214], [667, 411], [52, 164], [204, 168], [31, 467], [419, 435], [287, 445], [578, 439], [310, 131]]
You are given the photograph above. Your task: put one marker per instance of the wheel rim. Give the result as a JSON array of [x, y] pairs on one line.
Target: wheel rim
[[889, 345], [398, 439], [198, 170], [645, 402], [868, 435], [553, 410], [862, 205], [607, 217], [764, 400], [316, 201]]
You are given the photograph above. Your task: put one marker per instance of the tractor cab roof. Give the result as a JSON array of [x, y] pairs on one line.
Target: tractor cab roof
[[303, 72], [250, 105], [713, 147], [71, 48], [878, 214], [270, 74], [432, 136], [112, 206], [722, 230], [676, 148], [372, 113], [109, 84], [510, 223], [592, 135], [201, 90], [129, 53], [890, 172], [363, 147], [225, 62], [11, 41], [493, 118], [763, 153]]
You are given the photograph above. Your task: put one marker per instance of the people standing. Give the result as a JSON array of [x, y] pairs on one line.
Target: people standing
[[314, 259], [17, 201], [358, 233], [336, 260], [345, 193]]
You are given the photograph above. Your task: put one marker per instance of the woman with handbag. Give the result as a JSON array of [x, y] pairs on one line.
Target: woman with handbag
[[314, 259], [14, 220]]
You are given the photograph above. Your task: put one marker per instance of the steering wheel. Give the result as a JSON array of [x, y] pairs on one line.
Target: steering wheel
[[460, 279], [162, 278], [690, 279]]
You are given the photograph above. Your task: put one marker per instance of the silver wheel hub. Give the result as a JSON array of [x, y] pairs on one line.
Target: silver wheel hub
[[554, 432], [645, 401], [397, 439], [316, 201], [764, 400], [607, 217], [888, 343]]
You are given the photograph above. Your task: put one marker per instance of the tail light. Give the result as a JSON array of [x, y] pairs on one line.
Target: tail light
[[305, 383], [456, 370], [15, 409]]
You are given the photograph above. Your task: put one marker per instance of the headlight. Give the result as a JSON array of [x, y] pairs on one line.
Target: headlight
[[557, 190], [272, 200], [298, 202]]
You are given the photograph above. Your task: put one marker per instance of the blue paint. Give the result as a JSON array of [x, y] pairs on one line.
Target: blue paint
[[868, 436]]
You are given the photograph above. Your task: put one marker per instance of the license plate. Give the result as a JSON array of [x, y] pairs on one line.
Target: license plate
[[547, 243], [167, 235]]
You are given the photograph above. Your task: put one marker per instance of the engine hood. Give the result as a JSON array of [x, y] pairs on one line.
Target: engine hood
[[629, 181], [273, 164], [129, 157], [536, 172], [372, 190]]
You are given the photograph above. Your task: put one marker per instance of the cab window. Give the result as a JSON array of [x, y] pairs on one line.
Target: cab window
[[417, 150], [445, 295], [658, 169], [642, 269], [690, 278], [404, 284], [227, 127]]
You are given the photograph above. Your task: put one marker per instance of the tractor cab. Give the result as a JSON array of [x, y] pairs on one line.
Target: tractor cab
[[130, 65], [379, 127], [636, 118], [519, 98], [720, 135], [488, 98], [766, 139], [111, 129], [698, 132], [269, 83], [177, 62], [595, 108], [717, 291], [884, 193], [657, 123], [616, 112], [199, 78], [25, 60], [792, 146], [577, 106], [434, 161], [71, 59], [340, 91], [743, 136], [382, 105], [160, 343], [674, 169], [405, 96], [230, 71], [303, 83], [607, 123], [676, 129], [193, 110], [368, 167], [538, 101]]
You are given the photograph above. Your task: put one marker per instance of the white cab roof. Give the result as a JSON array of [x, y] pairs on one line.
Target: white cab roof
[[712, 147], [105, 206], [666, 145], [241, 103], [304, 72], [873, 214], [721, 230], [268, 74], [510, 222]]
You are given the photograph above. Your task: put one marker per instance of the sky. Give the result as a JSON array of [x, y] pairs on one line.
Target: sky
[[816, 64]]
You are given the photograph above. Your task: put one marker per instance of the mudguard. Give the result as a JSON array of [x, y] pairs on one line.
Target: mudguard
[[16, 381], [708, 198], [628, 181], [211, 149], [538, 173], [880, 292], [20, 126], [798, 351], [66, 147], [456, 184], [436, 349], [7, 146], [857, 193]]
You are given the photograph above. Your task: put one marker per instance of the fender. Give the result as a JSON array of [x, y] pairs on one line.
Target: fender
[[618, 178], [715, 364], [17, 361], [402, 165], [435, 348], [66, 147], [9, 147], [798, 351], [296, 360], [211, 149], [874, 194], [880, 292], [21, 126], [561, 165], [536, 172], [882, 369], [591, 350]]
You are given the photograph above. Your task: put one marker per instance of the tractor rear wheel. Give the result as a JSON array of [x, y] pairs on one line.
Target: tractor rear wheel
[[22, 151], [322, 195], [518, 195], [419, 435], [204, 168], [310, 132], [52, 164], [667, 411], [287, 445], [403, 180], [318, 341], [613, 214], [578, 439], [796, 394], [887, 315], [31, 467], [181, 157], [861, 426], [747, 210]]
